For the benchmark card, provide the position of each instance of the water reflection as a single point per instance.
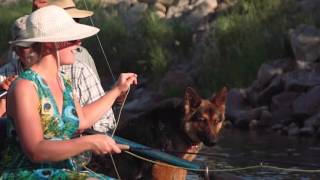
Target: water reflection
(237, 149)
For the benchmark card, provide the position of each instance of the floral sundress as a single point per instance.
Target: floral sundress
(16, 165)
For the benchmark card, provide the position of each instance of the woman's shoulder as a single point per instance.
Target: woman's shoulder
(23, 85)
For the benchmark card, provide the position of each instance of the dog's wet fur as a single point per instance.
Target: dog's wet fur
(173, 125)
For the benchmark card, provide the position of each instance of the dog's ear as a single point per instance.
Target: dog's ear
(191, 100)
(220, 98)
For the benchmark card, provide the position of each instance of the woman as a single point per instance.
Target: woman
(43, 110)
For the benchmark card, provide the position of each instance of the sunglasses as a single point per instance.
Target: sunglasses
(66, 44)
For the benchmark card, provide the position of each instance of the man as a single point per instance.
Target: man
(86, 83)
(16, 65)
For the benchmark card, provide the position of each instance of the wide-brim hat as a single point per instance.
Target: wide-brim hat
(53, 24)
(70, 7)
(18, 30)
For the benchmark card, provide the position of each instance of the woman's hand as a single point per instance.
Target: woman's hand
(103, 144)
(125, 80)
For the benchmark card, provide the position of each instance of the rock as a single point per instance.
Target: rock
(318, 133)
(134, 13)
(307, 104)
(313, 121)
(253, 124)
(301, 80)
(305, 43)
(309, 5)
(201, 10)
(266, 119)
(293, 130)
(307, 131)
(175, 83)
(160, 14)
(243, 118)
(142, 100)
(268, 71)
(268, 81)
(275, 87)
(282, 115)
(160, 7)
(284, 131)
(277, 127)
(284, 99)
(236, 100)
(166, 2)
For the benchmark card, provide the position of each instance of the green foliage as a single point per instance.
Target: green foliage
(244, 37)
(9, 13)
(147, 47)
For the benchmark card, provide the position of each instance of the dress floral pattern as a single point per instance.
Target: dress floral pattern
(14, 163)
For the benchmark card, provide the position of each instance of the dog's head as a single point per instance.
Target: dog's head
(204, 118)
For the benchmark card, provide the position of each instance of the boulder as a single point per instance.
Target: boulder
(305, 43)
(275, 87)
(175, 82)
(236, 101)
(284, 99)
(200, 10)
(308, 103)
(244, 117)
(301, 80)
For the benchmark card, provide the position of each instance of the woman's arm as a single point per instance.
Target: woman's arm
(92, 112)
(24, 110)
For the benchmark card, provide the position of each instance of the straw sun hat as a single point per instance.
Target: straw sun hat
(70, 7)
(53, 24)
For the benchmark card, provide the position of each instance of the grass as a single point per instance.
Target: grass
(9, 14)
(249, 34)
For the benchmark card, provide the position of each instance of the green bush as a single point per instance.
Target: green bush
(250, 33)
(9, 13)
(147, 47)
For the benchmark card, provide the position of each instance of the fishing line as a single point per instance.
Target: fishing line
(224, 156)
(100, 45)
(259, 166)
(120, 111)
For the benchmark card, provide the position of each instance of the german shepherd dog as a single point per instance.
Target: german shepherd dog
(173, 125)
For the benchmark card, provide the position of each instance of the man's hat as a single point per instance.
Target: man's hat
(70, 7)
(18, 30)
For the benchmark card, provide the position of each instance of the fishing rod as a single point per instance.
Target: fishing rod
(3, 93)
(163, 157)
(154, 154)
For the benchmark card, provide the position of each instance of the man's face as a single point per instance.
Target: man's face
(24, 55)
(36, 4)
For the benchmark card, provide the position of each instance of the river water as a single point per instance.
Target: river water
(237, 149)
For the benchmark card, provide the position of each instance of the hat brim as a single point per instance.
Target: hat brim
(77, 13)
(23, 44)
(74, 32)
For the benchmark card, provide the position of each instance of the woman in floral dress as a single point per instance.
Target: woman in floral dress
(44, 116)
